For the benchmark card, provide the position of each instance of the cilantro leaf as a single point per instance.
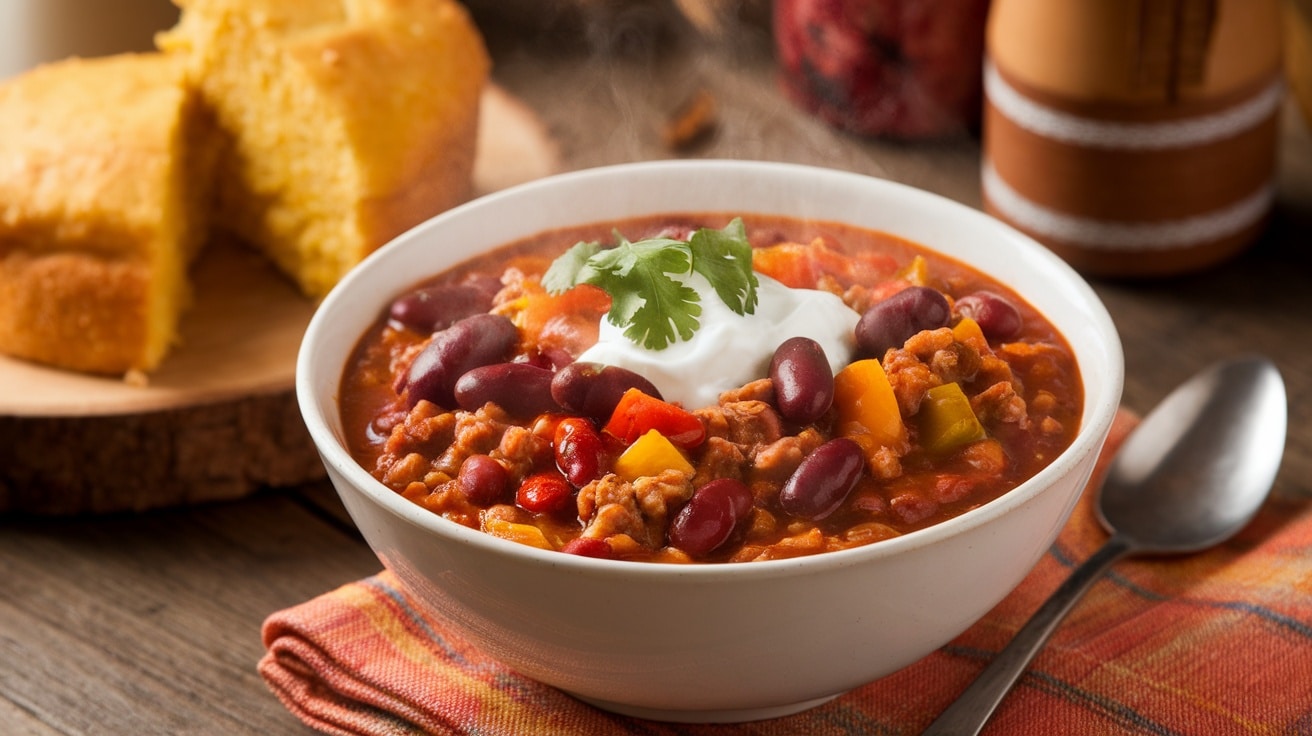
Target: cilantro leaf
(651, 306)
(656, 256)
(649, 299)
(668, 308)
(571, 268)
(724, 257)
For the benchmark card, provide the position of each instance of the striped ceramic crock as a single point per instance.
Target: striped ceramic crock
(1133, 137)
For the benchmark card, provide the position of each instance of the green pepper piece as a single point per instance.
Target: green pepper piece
(946, 420)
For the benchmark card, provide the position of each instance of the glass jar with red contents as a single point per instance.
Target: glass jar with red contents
(898, 69)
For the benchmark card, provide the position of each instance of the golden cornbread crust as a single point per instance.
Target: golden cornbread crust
(347, 123)
(99, 210)
(93, 313)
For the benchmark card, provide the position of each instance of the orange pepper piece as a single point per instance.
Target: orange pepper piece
(867, 409)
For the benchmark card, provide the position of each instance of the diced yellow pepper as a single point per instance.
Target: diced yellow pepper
(916, 272)
(946, 420)
(867, 409)
(968, 330)
(650, 454)
(522, 533)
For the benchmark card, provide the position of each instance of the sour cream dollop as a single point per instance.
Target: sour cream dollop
(730, 349)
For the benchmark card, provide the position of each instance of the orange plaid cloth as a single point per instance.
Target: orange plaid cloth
(1215, 643)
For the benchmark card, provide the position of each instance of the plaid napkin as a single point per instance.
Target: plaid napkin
(1214, 643)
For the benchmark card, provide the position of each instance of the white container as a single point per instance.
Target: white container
(35, 32)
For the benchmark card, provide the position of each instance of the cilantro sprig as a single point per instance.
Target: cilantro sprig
(652, 305)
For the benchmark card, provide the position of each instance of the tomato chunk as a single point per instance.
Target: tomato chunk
(637, 414)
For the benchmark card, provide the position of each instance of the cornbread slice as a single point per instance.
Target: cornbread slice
(346, 121)
(104, 171)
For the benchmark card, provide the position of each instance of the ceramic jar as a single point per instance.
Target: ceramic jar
(1133, 137)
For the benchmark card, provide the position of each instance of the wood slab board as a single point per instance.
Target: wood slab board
(218, 419)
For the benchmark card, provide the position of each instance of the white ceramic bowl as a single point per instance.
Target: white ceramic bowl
(713, 642)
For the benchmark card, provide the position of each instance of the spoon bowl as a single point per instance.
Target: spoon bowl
(1199, 466)
(1190, 476)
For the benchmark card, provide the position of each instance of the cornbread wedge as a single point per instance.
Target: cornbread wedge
(346, 122)
(104, 193)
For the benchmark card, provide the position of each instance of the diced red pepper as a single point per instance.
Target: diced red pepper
(637, 413)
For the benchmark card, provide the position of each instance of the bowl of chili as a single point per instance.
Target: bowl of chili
(871, 470)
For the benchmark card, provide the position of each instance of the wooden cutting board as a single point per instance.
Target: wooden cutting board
(218, 419)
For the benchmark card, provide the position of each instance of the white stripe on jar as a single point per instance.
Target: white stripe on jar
(1091, 133)
(1114, 235)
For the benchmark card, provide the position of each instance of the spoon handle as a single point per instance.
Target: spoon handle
(972, 709)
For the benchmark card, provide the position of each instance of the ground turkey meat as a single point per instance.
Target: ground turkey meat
(640, 509)
(935, 357)
(421, 434)
(762, 389)
(746, 424)
(427, 430)
(773, 463)
(719, 458)
(520, 451)
(929, 358)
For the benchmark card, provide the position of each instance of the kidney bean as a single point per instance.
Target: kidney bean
(739, 494)
(579, 450)
(482, 480)
(823, 480)
(544, 493)
(593, 389)
(485, 284)
(551, 357)
(438, 307)
(589, 547)
(710, 516)
(997, 317)
(803, 381)
(475, 341)
(521, 389)
(889, 323)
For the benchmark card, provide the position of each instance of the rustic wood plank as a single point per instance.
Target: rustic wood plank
(18, 722)
(150, 624)
(101, 464)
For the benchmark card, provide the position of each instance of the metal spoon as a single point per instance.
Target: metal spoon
(1190, 476)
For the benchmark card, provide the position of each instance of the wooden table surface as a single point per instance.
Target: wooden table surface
(150, 623)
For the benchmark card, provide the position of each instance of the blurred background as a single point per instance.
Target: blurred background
(38, 31)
